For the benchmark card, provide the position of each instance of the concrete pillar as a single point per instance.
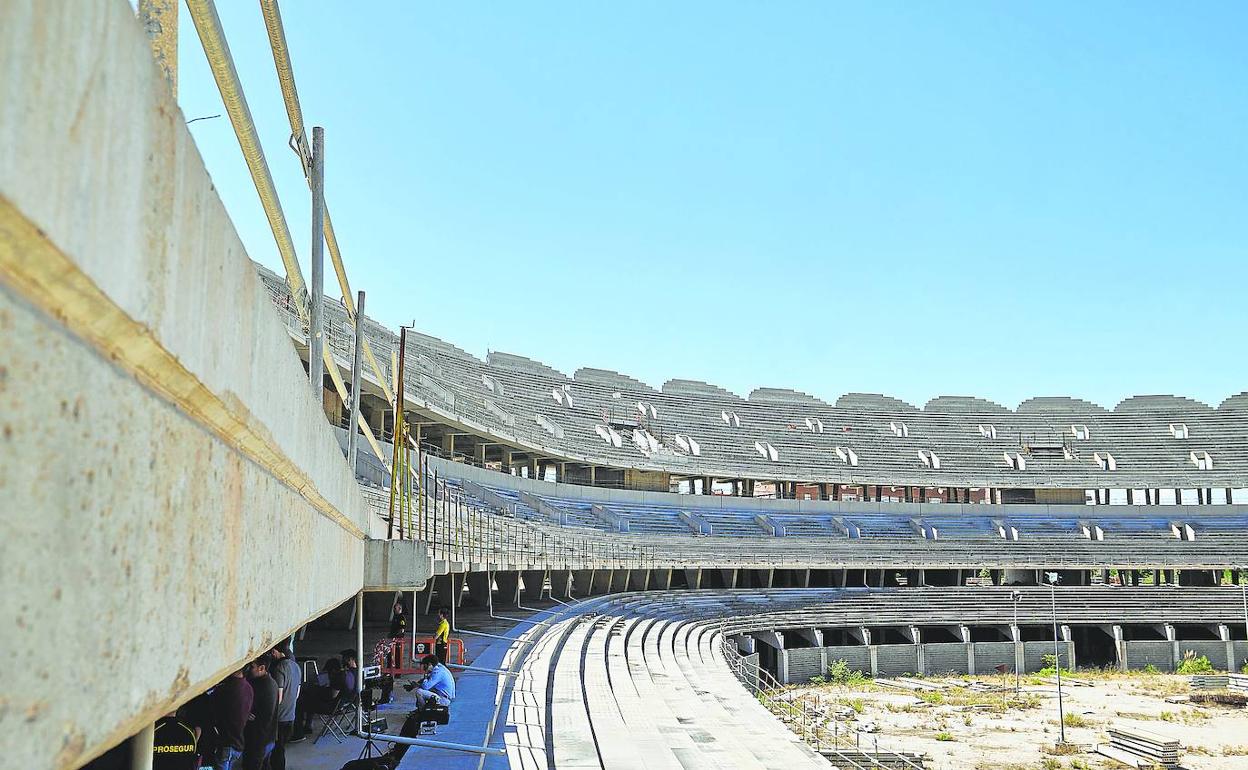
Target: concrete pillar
(583, 582)
(508, 583)
(965, 633)
(812, 635)
(661, 579)
(478, 588)
(561, 583)
(916, 636)
(1173, 637)
(693, 578)
(1120, 648)
(1224, 633)
(1020, 660)
(534, 579)
(730, 577)
(638, 579)
(602, 581)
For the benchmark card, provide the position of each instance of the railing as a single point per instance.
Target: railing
(808, 720)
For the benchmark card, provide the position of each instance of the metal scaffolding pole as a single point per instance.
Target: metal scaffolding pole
(353, 428)
(316, 330)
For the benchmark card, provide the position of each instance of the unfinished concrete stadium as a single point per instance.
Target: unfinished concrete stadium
(664, 554)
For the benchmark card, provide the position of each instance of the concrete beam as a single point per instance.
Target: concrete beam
(135, 327)
(396, 565)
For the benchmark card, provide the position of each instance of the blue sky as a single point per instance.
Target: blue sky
(1002, 200)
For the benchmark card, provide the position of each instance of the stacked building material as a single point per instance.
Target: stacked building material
(1141, 748)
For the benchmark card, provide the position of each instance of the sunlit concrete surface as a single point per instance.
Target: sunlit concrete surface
(173, 498)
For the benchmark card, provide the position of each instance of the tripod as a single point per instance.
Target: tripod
(371, 749)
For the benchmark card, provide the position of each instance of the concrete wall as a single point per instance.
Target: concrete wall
(944, 658)
(1034, 654)
(858, 657)
(174, 500)
(989, 655)
(805, 663)
(897, 659)
(1141, 653)
(1215, 651)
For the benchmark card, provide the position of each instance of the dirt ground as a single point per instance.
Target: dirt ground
(960, 729)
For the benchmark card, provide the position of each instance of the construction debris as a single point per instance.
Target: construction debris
(1140, 748)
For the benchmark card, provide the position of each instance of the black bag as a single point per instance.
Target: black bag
(432, 712)
(372, 763)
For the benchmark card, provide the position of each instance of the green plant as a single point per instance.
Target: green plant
(1050, 667)
(818, 680)
(944, 736)
(1079, 764)
(1049, 763)
(839, 672)
(1151, 669)
(1075, 720)
(1244, 668)
(1194, 664)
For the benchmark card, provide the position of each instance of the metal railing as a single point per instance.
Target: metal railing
(807, 717)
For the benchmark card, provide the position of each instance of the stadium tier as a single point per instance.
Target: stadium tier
(600, 427)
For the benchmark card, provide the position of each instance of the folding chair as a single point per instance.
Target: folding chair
(337, 723)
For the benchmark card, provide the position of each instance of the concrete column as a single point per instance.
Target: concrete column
(1224, 633)
(730, 577)
(812, 635)
(661, 579)
(583, 582)
(638, 579)
(508, 586)
(533, 581)
(1020, 660)
(602, 581)
(965, 633)
(478, 588)
(693, 578)
(1173, 637)
(1120, 648)
(917, 637)
(141, 748)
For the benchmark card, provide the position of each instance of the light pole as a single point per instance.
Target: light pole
(1016, 597)
(1057, 658)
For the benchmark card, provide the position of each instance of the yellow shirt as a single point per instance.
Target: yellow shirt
(443, 633)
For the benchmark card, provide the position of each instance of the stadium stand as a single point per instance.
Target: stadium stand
(688, 429)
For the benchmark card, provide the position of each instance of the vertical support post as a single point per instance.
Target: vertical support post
(316, 332)
(359, 671)
(396, 480)
(141, 748)
(1057, 660)
(160, 22)
(353, 428)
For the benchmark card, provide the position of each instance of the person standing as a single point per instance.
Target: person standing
(285, 672)
(174, 745)
(398, 620)
(231, 705)
(261, 728)
(442, 635)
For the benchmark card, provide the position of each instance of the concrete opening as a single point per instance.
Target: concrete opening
(1094, 646)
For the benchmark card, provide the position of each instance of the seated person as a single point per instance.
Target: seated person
(437, 686)
(319, 698)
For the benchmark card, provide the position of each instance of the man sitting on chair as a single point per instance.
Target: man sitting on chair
(437, 686)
